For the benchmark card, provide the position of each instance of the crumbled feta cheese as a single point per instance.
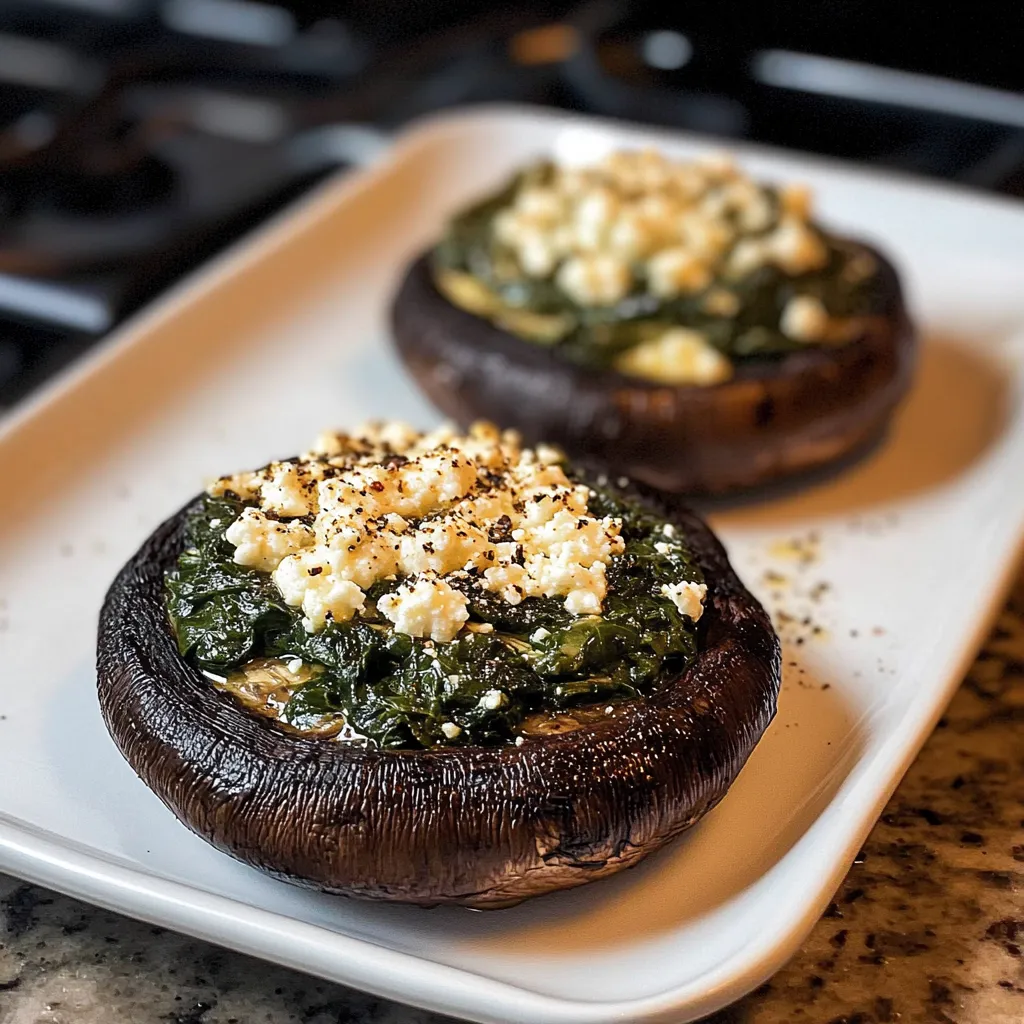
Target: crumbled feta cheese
(595, 213)
(638, 171)
(537, 253)
(804, 318)
(706, 237)
(321, 597)
(662, 548)
(676, 224)
(678, 356)
(293, 665)
(600, 280)
(543, 205)
(242, 485)
(669, 530)
(451, 730)
(721, 302)
(755, 214)
(540, 634)
(520, 741)
(288, 492)
(426, 607)
(676, 271)
(687, 597)
(584, 602)
(261, 543)
(631, 237)
(796, 201)
(547, 453)
(492, 700)
(387, 502)
(747, 255)
(794, 248)
(714, 204)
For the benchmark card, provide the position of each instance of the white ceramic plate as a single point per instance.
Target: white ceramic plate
(286, 334)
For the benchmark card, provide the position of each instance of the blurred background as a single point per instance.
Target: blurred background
(140, 137)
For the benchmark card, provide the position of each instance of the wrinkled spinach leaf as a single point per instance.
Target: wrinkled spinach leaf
(405, 692)
(601, 333)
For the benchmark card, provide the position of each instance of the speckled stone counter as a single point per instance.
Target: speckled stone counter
(927, 927)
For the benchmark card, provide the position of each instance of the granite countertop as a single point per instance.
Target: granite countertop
(927, 927)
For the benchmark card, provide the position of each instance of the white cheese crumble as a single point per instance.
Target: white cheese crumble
(676, 271)
(687, 597)
(322, 596)
(804, 318)
(451, 730)
(441, 512)
(262, 543)
(598, 280)
(492, 700)
(425, 607)
(677, 356)
(638, 220)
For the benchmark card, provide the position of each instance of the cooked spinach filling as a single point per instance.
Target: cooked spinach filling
(473, 268)
(400, 691)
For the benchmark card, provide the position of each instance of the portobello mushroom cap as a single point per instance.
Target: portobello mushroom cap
(778, 416)
(481, 826)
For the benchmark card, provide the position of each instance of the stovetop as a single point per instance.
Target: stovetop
(139, 137)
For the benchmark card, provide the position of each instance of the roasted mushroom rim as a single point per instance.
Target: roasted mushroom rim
(419, 590)
(674, 272)
(483, 826)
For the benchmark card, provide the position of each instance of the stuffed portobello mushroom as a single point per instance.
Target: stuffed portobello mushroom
(435, 668)
(677, 321)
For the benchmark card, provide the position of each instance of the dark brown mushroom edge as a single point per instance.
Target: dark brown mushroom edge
(675, 322)
(367, 793)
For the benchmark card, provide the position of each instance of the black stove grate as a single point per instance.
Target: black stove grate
(138, 137)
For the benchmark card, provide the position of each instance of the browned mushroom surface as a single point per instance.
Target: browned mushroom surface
(776, 417)
(675, 320)
(485, 826)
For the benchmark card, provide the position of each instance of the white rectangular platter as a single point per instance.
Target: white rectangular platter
(886, 575)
